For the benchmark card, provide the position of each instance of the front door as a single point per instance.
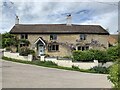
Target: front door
(41, 50)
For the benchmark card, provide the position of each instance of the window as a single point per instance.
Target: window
(82, 37)
(53, 37)
(83, 48)
(24, 36)
(23, 45)
(53, 47)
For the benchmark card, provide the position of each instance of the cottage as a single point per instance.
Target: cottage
(61, 39)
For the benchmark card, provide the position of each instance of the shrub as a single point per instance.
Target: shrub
(83, 56)
(113, 53)
(9, 40)
(99, 69)
(90, 55)
(8, 49)
(25, 51)
(114, 75)
(100, 55)
(75, 68)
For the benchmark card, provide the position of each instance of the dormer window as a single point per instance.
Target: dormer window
(24, 36)
(53, 37)
(82, 37)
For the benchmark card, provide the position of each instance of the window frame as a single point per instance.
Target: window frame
(53, 36)
(24, 36)
(83, 36)
(82, 48)
(53, 47)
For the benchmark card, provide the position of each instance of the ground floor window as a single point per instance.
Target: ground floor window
(83, 48)
(23, 45)
(53, 47)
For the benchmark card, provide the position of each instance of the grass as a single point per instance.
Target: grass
(49, 64)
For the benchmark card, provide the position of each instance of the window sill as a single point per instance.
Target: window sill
(53, 51)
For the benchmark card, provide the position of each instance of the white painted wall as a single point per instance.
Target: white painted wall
(69, 63)
(17, 56)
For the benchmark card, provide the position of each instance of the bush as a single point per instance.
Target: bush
(90, 55)
(75, 68)
(25, 51)
(114, 75)
(113, 53)
(83, 56)
(9, 40)
(8, 49)
(99, 69)
(100, 55)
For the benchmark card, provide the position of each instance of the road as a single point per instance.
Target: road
(16, 75)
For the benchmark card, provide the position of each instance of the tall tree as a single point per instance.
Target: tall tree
(9, 40)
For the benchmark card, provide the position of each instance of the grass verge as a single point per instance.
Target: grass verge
(49, 64)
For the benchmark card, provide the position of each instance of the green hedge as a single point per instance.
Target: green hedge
(110, 54)
(83, 56)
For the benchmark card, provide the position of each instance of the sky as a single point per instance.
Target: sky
(87, 12)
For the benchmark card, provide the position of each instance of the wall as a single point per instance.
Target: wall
(69, 63)
(17, 56)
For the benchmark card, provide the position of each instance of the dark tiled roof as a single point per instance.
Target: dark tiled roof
(57, 28)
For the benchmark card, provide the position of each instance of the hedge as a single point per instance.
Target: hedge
(102, 56)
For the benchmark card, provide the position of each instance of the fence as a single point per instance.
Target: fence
(17, 56)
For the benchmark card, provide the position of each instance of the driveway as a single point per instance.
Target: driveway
(16, 75)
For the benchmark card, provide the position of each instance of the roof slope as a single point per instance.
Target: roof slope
(57, 28)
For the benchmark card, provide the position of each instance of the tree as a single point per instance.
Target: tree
(9, 40)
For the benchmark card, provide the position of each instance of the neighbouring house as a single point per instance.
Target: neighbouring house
(113, 39)
(61, 39)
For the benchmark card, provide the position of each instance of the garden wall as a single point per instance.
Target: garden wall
(17, 56)
(69, 63)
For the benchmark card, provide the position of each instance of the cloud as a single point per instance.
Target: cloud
(37, 12)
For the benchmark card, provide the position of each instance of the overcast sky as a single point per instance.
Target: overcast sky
(87, 12)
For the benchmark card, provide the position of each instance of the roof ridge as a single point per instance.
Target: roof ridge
(54, 24)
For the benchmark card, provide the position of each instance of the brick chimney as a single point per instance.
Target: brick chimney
(69, 20)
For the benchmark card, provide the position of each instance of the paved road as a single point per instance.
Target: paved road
(16, 75)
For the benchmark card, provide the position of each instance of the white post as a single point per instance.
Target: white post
(96, 62)
(30, 57)
(42, 58)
